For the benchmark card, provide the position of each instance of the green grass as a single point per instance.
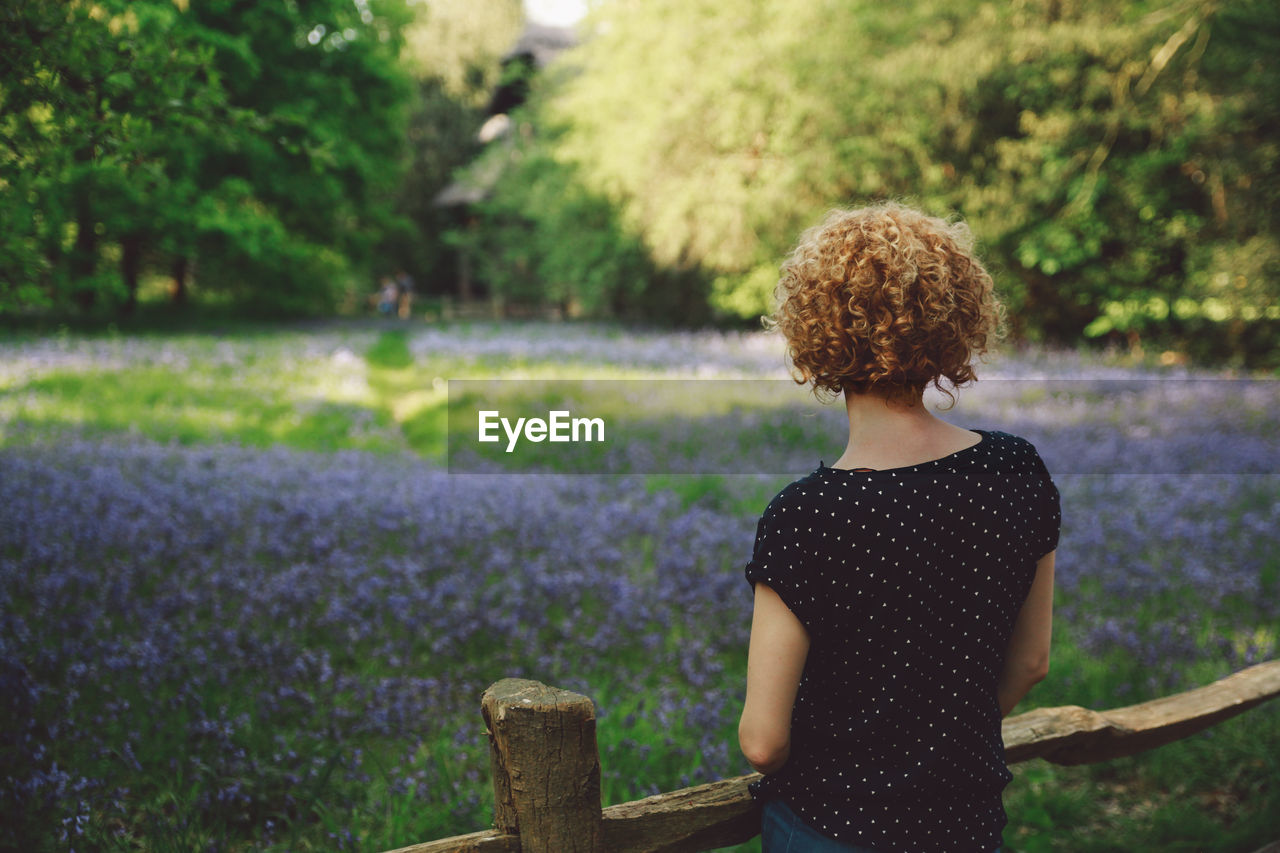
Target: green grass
(194, 408)
(1212, 791)
(242, 390)
(391, 351)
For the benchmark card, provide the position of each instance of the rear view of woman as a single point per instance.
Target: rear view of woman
(903, 595)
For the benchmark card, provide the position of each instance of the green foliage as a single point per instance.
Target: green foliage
(253, 257)
(452, 48)
(441, 138)
(1117, 161)
(320, 154)
(708, 164)
(1114, 165)
(90, 97)
(256, 143)
(543, 236)
(459, 43)
(1103, 152)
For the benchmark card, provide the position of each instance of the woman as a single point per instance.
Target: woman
(903, 596)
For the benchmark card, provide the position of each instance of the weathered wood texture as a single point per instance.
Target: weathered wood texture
(1075, 735)
(546, 767)
(722, 813)
(489, 841)
(700, 818)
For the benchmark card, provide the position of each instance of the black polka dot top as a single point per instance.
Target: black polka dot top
(908, 581)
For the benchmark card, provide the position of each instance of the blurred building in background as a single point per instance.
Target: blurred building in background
(537, 46)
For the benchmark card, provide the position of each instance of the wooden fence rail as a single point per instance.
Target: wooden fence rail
(546, 767)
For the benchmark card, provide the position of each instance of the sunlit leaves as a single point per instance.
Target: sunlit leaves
(1101, 151)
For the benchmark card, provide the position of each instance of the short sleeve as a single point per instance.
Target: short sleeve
(1049, 511)
(778, 559)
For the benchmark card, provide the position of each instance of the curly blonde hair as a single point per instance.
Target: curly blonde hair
(885, 299)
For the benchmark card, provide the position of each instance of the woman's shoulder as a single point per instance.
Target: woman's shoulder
(796, 495)
(1007, 442)
(1019, 455)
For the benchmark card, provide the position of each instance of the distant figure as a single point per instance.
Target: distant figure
(903, 595)
(404, 284)
(388, 295)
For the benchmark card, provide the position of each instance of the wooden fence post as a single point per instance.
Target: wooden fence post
(546, 766)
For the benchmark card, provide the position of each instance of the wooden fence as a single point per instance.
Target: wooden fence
(546, 767)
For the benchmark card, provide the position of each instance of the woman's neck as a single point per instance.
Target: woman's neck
(890, 434)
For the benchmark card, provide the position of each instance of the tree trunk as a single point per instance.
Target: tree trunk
(179, 287)
(130, 266)
(464, 277)
(84, 255)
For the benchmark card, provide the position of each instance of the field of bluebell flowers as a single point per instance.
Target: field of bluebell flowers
(245, 606)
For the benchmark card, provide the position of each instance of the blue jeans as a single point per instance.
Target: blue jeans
(782, 831)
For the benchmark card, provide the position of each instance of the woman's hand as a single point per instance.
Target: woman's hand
(775, 662)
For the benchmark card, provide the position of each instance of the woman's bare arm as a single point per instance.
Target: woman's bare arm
(775, 662)
(1026, 661)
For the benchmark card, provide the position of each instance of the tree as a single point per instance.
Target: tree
(1117, 161)
(453, 49)
(91, 94)
(264, 139)
(299, 196)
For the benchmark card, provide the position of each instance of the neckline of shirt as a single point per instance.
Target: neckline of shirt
(982, 441)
